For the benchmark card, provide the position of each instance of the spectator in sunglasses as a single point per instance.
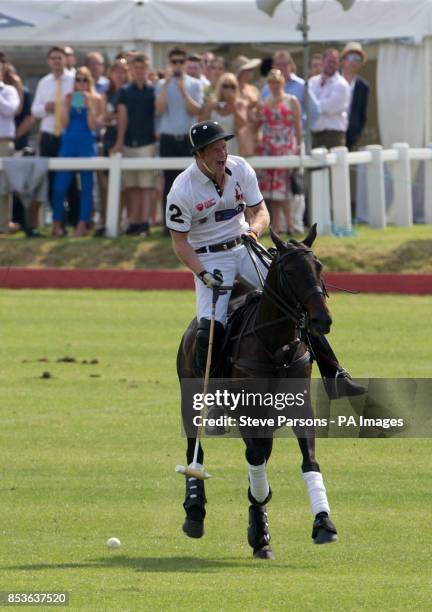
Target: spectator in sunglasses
(82, 115)
(353, 59)
(227, 108)
(179, 98)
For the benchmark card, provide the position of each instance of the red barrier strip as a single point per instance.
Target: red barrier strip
(57, 278)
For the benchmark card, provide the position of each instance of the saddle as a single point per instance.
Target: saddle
(242, 306)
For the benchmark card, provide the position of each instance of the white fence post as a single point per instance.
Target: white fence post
(375, 188)
(320, 194)
(402, 202)
(428, 190)
(114, 195)
(341, 190)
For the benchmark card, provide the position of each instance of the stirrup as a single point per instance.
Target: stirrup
(342, 385)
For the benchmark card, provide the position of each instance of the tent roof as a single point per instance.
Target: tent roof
(220, 21)
(241, 21)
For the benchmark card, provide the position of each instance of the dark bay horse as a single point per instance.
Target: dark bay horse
(273, 332)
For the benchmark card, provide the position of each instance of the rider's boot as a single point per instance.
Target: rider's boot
(202, 342)
(337, 381)
(201, 349)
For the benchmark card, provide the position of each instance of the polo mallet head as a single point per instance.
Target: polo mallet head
(192, 472)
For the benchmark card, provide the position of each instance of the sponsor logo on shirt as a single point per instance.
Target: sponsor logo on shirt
(225, 215)
(207, 204)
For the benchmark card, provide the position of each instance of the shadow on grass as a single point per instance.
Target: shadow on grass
(160, 564)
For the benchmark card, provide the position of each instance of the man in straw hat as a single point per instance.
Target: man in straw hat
(353, 59)
(243, 68)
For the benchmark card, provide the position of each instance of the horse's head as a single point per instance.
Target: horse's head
(299, 283)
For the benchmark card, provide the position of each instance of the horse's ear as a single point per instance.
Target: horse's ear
(309, 240)
(279, 244)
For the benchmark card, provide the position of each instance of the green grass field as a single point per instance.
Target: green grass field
(88, 452)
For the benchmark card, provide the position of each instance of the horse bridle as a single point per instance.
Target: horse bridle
(282, 298)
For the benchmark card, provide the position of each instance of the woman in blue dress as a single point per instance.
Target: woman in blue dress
(82, 115)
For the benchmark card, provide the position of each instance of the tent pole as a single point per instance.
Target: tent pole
(427, 93)
(304, 29)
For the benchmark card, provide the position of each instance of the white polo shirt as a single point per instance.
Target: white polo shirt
(45, 92)
(333, 95)
(195, 205)
(9, 103)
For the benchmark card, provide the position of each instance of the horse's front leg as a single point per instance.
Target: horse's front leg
(258, 451)
(323, 530)
(195, 498)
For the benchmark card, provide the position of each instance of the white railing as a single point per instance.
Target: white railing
(330, 187)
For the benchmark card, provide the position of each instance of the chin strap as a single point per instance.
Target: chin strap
(204, 164)
(206, 167)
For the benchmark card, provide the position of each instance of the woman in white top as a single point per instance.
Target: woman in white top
(227, 108)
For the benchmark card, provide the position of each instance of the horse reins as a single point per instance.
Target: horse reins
(281, 299)
(297, 314)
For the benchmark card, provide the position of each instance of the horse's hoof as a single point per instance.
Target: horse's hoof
(193, 529)
(323, 530)
(325, 537)
(264, 553)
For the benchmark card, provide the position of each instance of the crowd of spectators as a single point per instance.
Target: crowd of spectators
(131, 108)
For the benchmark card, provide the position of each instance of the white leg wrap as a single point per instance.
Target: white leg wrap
(317, 492)
(259, 485)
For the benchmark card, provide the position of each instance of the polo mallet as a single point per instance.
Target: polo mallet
(181, 469)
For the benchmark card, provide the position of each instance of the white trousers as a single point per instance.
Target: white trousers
(234, 263)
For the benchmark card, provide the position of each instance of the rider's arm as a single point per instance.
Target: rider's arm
(185, 252)
(258, 218)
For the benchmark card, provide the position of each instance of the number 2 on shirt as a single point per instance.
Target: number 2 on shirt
(176, 216)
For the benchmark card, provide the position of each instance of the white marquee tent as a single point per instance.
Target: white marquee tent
(403, 29)
(222, 21)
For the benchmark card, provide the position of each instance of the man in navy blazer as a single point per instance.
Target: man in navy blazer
(353, 59)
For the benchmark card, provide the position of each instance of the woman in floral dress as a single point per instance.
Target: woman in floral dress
(279, 119)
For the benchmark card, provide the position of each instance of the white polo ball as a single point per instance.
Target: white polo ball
(113, 543)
